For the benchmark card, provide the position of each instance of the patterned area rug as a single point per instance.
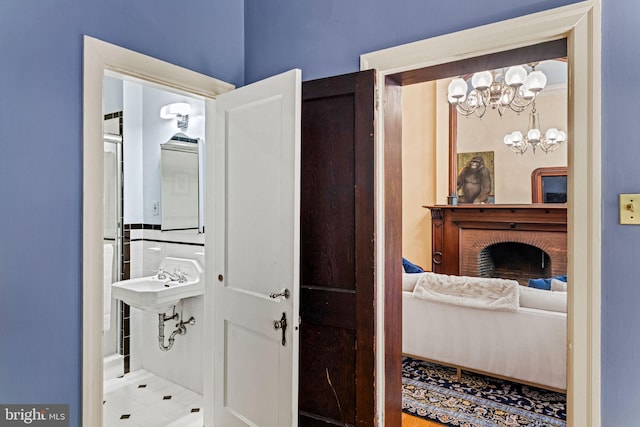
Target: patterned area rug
(432, 392)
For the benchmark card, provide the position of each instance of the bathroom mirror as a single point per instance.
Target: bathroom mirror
(181, 183)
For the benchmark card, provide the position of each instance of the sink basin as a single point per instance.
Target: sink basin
(161, 294)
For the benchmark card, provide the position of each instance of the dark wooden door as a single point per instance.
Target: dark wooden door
(337, 265)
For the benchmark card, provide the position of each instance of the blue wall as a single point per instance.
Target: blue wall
(41, 164)
(620, 243)
(326, 38)
(41, 147)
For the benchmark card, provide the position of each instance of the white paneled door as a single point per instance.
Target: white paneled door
(256, 186)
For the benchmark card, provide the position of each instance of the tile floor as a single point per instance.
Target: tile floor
(142, 399)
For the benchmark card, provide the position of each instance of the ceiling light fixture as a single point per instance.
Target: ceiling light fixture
(514, 89)
(550, 141)
(179, 111)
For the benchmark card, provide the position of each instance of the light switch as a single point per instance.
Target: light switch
(629, 208)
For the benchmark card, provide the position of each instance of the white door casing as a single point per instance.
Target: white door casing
(98, 58)
(256, 233)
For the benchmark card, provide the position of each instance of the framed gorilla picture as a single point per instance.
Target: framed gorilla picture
(475, 178)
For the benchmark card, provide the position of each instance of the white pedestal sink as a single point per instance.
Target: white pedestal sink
(158, 294)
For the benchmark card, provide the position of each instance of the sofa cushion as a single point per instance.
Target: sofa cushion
(558, 285)
(409, 281)
(543, 299)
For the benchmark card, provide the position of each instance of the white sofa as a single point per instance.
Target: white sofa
(527, 345)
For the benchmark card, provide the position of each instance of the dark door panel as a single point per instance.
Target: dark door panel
(337, 255)
(337, 282)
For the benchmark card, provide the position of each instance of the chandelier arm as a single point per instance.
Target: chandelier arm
(484, 98)
(511, 95)
(518, 148)
(517, 108)
(464, 110)
(519, 103)
(548, 145)
(480, 111)
(471, 103)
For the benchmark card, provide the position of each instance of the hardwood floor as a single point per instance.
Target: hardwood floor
(411, 421)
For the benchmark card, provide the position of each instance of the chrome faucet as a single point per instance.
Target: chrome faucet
(178, 275)
(182, 276)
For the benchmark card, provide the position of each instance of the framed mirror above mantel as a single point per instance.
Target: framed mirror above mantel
(485, 136)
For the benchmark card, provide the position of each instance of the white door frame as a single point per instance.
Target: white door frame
(580, 24)
(100, 56)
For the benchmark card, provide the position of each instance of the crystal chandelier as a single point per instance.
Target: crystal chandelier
(550, 141)
(516, 90)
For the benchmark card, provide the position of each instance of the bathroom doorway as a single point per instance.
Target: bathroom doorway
(277, 97)
(145, 155)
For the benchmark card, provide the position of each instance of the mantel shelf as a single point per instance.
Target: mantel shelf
(554, 206)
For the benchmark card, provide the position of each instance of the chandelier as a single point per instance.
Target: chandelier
(514, 89)
(550, 141)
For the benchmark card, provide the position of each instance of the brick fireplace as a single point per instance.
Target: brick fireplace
(509, 241)
(512, 254)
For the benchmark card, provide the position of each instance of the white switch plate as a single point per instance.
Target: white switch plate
(629, 208)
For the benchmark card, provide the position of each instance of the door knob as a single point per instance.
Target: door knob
(281, 324)
(283, 293)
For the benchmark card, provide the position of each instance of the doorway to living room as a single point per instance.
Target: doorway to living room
(579, 25)
(469, 239)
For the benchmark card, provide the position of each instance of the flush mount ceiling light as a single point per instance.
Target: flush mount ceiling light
(550, 141)
(514, 89)
(179, 111)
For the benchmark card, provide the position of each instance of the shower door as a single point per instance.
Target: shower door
(112, 196)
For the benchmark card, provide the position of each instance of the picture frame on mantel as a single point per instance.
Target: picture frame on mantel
(471, 182)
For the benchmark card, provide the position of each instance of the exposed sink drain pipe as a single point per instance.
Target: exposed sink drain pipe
(181, 329)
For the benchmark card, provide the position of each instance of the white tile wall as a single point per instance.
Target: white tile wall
(136, 251)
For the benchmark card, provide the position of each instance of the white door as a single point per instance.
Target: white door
(256, 232)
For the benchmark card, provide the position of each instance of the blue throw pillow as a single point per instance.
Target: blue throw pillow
(545, 283)
(540, 284)
(409, 267)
